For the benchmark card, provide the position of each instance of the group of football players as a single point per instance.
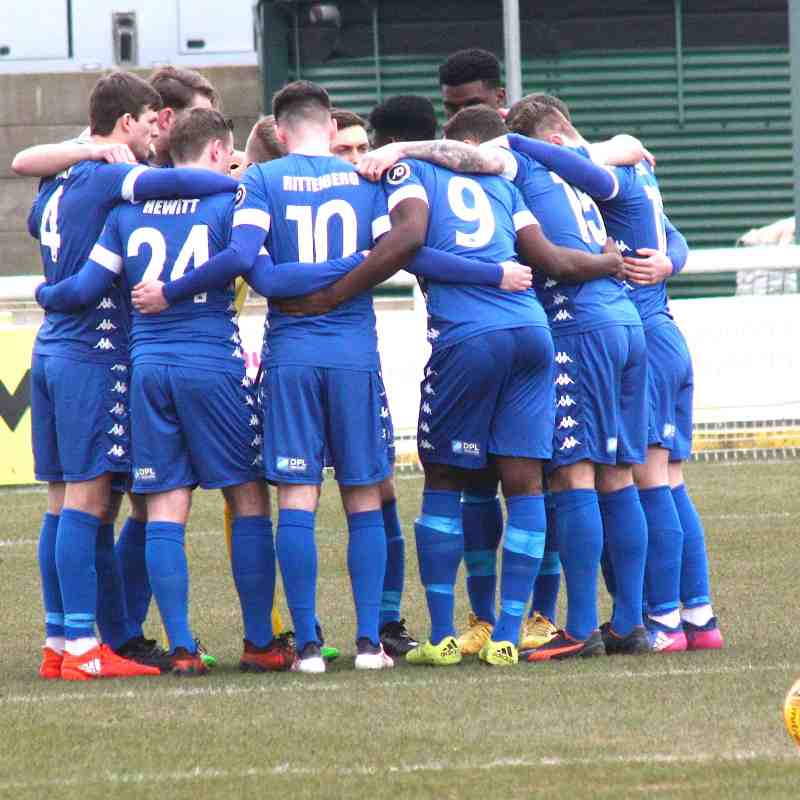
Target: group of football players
(556, 375)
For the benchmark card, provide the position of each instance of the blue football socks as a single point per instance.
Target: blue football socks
(366, 563)
(112, 611)
(393, 580)
(625, 531)
(76, 544)
(296, 548)
(579, 529)
(253, 567)
(662, 576)
(51, 590)
(482, 519)
(523, 548)
(440, 546)
(548, 581)
(130, 550)
(695, 585)
(169, 577)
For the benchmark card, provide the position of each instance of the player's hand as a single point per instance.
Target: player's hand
(373, 164)
(516, 277)
(654, 268)
(617, 269)
(148, 298)
(309, 305)
(112, 153)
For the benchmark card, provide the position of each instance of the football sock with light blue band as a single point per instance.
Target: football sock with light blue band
(548, 581)
(625, 529)
(253, 568)
(440, 546)
(366, 563)
(394, 578)
(662, 576)
(579, 529)
(523, 548)
(76, 544)
(482, 519)
(695, 586)
(112, 610)
(130, 550)
(169, 576)
(51, 590)
(296, 548)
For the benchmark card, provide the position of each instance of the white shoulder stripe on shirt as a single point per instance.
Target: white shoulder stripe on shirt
(105, 258)
(129, 184)
(251, 216)
(524, 218)
(414, 191)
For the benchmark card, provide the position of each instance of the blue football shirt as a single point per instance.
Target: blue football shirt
(476, 216)
(635, 218)
(67, 217)
(313, 208)
(162, 240)
(570, 218)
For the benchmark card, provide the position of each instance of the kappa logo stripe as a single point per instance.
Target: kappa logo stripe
(13, 406)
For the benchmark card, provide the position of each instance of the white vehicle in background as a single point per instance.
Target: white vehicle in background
(74, 35)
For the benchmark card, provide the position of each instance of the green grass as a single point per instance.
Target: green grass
(686, 725)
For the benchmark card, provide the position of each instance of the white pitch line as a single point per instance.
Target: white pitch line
(522, 675)
(199, 773)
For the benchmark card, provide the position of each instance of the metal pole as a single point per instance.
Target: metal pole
(513, 57)
(794, 47)
(679, 59)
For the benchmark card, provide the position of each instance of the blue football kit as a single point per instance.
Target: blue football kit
(487, 387)
(600, 353)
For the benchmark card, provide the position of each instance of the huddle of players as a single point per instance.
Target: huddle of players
(488, 398)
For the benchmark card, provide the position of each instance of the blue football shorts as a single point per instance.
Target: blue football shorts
(491, 394)
(601, 397)
(325, 416)
(79, 418)
(670, 390)
(193, 426)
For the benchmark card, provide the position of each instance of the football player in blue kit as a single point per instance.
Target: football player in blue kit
(677, 568)
(600, 357)
(487, 396)
(80, 419)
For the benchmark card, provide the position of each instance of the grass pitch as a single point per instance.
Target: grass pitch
(694, 724)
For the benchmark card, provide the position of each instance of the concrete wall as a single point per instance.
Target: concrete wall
(36, 109)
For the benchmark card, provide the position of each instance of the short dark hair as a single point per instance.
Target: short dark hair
(178, 87)
(118, 94)
(549, 100)
(466, 66)
(537, 120)
(480, 123)
(301, 100)
(263, 144)
(194, 130)
(404, 118)
(347, 119)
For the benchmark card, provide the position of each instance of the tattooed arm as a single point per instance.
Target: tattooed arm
(454, 155)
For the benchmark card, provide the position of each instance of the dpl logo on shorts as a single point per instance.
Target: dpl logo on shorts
(144, 474)
(287, 464)
(466, 448)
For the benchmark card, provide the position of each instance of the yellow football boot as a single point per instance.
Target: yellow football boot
(536, 631)
(475, 636)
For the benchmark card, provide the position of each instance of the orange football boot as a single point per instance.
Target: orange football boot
(102, 662)
(50, 668)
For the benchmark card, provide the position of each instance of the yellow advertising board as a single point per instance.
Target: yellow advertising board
(16, 455)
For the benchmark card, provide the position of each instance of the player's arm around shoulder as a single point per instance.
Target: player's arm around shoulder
(41, 161)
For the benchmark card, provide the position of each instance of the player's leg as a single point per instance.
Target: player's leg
(360, 452)
(395, 638)
(521, 437)
(482, 517)
(540, 626)
(576, 507)
(130, 550)
(294, 444)
(622, 362)
(699, 621)
(163, 472)
(47, 467)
